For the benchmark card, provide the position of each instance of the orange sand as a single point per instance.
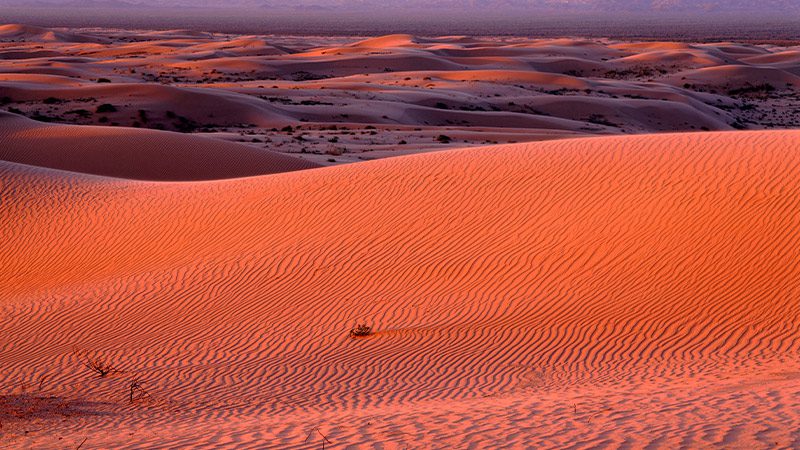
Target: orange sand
(134, 154)
(619, 292)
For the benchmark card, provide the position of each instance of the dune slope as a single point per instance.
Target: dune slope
(133, 153)
(618, 292)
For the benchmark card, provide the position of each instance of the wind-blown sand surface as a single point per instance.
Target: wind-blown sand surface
(618, 292)
(134, 154)
(345, 99)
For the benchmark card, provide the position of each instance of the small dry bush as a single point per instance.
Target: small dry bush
(96, 364)
(362, 330)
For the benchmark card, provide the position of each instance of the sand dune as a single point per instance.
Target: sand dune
(134, 154)
(617, 292)
(19, 32)
(165, 103)
(244, 46)
(389, 41)
(731, 77)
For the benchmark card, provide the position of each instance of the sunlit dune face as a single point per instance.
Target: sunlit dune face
(639, 270)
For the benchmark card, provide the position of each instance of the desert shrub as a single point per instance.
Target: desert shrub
(764, 88)
(51, 101)
(444, 139)
(96, 364)
(307, 76)
(103, 80)
(43, 118)
(185, 125)
(362, 330)
(80, 113)
(334, 151)
(106, 108)
(599, 119)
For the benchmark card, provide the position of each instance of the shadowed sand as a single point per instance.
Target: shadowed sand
(617, 292)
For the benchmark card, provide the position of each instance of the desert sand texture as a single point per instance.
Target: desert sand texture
(617, 292)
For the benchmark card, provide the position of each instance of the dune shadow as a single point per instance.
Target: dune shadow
(29, 407)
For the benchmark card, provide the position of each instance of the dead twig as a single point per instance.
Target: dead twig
(324, 438)
(42, 379)
(137, 391)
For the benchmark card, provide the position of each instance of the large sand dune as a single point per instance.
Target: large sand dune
(134, 154)
(617, 292)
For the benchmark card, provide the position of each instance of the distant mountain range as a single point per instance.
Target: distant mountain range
(616, 6)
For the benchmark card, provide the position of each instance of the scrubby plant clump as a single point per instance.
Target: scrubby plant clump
(362, 330)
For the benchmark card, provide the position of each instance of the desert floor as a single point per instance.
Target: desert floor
(629, 278)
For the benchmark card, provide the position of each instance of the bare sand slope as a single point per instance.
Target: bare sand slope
(618, 292)
(133, 153)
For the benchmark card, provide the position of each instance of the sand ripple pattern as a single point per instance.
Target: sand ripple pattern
(608, 292)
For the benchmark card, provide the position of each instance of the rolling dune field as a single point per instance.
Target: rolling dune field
(333, 100)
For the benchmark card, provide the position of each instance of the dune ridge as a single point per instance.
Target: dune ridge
(614, 291)
(134, 154)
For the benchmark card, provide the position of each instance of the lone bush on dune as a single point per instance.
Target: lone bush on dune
(96, 364)
(362, 330)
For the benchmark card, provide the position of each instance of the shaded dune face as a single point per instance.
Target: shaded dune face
(134, 154)
(503, 283)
